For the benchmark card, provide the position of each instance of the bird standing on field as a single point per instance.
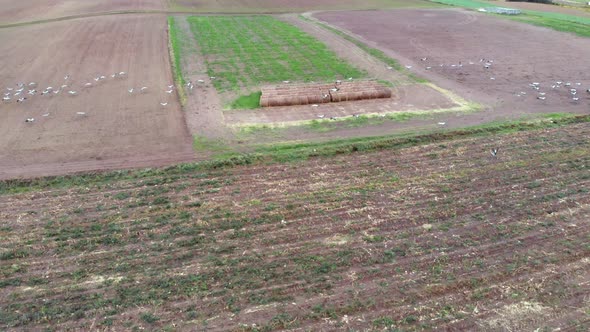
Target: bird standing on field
(494, 152)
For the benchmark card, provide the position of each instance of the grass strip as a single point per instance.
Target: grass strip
(174, 49)
(290, 153)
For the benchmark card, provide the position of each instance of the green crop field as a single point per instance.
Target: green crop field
(243, 53)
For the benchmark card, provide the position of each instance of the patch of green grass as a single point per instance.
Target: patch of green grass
(578, 28)
(247, 51)
(173, 34)
(250, 101)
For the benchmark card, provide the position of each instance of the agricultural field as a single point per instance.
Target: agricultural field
(452, 48)
(93, 122)
(282, 6)
(34, 10)
(245, 52)
(412, 233)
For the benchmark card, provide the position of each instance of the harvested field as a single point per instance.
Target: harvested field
(440, 235)
(281, 6)
(456, 45)
(305, 94)
(32, 10)
(102, 125)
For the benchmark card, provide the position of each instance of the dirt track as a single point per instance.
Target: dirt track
(454, 38)
(133, 129)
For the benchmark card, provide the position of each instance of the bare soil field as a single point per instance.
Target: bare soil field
(451, 48)
(102, 125)
(281, 6)
(32, 10)
(441, 235)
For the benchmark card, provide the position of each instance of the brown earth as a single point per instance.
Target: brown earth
(118, 129)
(453, 39)
(32, 10)
(436, 236)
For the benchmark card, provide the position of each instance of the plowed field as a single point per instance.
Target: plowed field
(441, 235)
(101, 125)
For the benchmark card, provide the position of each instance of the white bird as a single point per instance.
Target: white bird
(542, 93)
(30, 120)
(163, 104)
(286, 82)
(9, 89)
(325, 96)
(7, 94)
(442, 123)
(338, 81)
(321, 116)
(494, 152)
(588, 90)
(44, 92)
(66, 77)
(573, 92)
(122, 73)
(64, 86)
(389, 67)
(408, 67)
(350, 78)
(143, 88)
(314, 105)
(88, 84)
(6, 98)
(558, 82)
(20, 100)
(32, 83)
(575, 98)
(96, 79)
(81, 113)
(568, 84)
(130, 90)
(428, 68)
(492, 78)
(20, 90)
(49, 88)
(535, 84)
(102, 77)
(578, 83)
(200, 81)
(46, 114)
(56, 92)
(170, 86)
(32, 92)
(17, 94)
(72, 92)
(114, 75)
(212, 77)
(169, 91)
(541, 98)
(424, 59)
(334, 89)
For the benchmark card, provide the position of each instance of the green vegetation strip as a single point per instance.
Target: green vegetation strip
(244, 52)
(174, 47)
(290, 153)
(557, 21)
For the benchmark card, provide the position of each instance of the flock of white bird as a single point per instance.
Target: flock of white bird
(21, 92)
(487, 64)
